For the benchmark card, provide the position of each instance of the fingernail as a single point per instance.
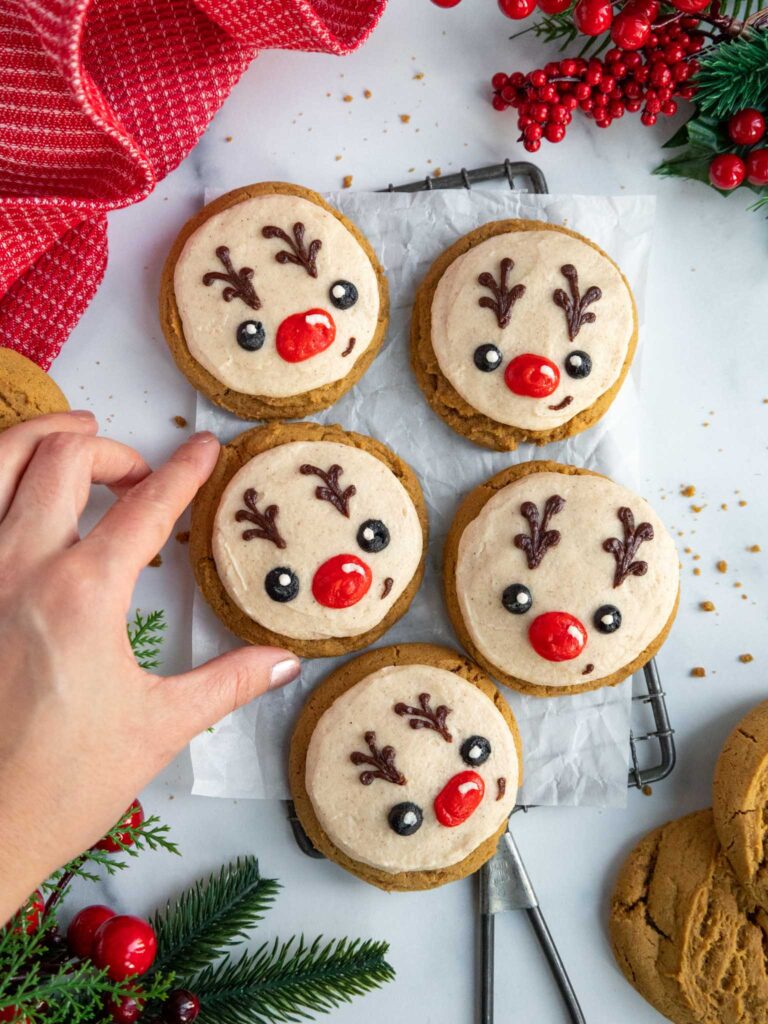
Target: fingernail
(202, 437)
(82, 414)
(284, 672)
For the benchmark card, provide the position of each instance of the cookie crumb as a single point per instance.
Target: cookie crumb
(156, 562)
(754, 548)
(724, 507)
(347, 98)
(722, 566)
(346, 181)
(182, 537)
(738, 585)
(742, 503)
(706, 606)
(337, 157)
(420, 74)
(227, 138)
(405, 118)
(180, 422)
(698, 672)
(437, 173)
(367, 93)
(647, 791)
(697, 508)
(697, 571)
(745, 658)
(688, 491)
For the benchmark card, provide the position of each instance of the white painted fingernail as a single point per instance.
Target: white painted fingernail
(284, 672)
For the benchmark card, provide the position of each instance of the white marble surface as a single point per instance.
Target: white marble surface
(705, 362)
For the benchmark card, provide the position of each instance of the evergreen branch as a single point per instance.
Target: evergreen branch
(145, 635)
(212, 915)
(734, 75)
(290, 981)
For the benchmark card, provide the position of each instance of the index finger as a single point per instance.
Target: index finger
(139, 522)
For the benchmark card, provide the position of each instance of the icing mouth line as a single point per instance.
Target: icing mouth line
(561, 405)
(589, 668)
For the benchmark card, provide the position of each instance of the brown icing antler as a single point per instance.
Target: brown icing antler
(504, 298)
(540, 539)
(575, 306)
(265, 526)
(425, 717)
(332, 491)
(624, 551)
(299, 254)
(238, 281)
(382, 761)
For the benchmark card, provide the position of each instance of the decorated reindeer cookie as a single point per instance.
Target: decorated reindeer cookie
(559, 580)
(405, 766)
(522, 332)
(309, 537)
(272, 302)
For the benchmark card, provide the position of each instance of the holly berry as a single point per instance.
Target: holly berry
(459, 798)
(757, 167)
(133, 817)
(341, 581)
(446, 3)
(747, 127)
(12, 1015)
(181, 1007)
(727, 171)
(593, 17)
(648, 9)
(517, 9)
(690, 6)
(83, 926)
(630, 31)
(304, 335)
(124, 945)
(127, 1009)
(557, 636)
(553, 6)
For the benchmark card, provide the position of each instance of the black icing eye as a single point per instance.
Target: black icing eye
(281, 584)
(517, 599)
(578, 365)
(405, 818)
(476, 750)
(250, 335)
(373, 536)
(342, 294)
(607, 619)
(487, 358)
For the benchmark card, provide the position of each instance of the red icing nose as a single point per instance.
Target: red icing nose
(533, 376)
(459, 799)
(341, 581)
(557, 636)
(304, 335)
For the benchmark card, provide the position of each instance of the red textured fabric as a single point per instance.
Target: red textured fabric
(100, 100)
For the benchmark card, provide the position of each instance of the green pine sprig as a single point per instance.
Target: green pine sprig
(145, 635)
(734, 75)
(290, 981)
(211, 916)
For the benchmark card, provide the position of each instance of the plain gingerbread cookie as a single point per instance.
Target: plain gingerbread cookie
(404, 767)
(26, 391)
(273, 304)
(522, 331)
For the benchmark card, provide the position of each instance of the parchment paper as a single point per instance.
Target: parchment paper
(575, 748)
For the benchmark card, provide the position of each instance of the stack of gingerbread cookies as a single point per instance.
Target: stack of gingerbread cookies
(689, 913)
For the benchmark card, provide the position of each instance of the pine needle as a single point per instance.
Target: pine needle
(211, 916)
(145, 634)
(733, 76)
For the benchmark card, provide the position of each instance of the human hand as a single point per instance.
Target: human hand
(84, 728)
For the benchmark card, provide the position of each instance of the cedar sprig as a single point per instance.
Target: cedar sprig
(290, 981)
(211, 916)
(145, 635)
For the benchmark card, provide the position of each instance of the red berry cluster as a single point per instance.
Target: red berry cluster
(634, 76)
(729, 170)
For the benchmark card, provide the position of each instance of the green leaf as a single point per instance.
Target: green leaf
(290, 981)
(212, 915)
(734, 75)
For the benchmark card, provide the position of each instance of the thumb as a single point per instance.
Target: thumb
(201, 697)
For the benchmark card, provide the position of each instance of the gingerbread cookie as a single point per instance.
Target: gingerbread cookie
(273, 304)
(404, 767)
(26, 391)
(522, 331)
(559, 580)
(740, 801)
(309, 537)
(684, 932)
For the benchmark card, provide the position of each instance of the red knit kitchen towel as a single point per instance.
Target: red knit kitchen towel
(99, 100)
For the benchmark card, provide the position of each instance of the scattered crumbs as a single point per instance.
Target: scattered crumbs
(156, 562)
(705, 423)
(754, 548)
(437, 172)
(183, 536)
(418, 77)
(745, 597)
(346, 181)
(698, 672)
(647, 791)
(742, 503)
(367, 93)
(724, 506)
(697, 508)
(327, 94)
(227, 138)
(405, 118)
(745, 658)
(687, 550)
(180, 422)
(680, 533)
(347, 98)
(722, 566)
(738, 585)
(696, 558)
(337, 157)
(411, 170)
(688, 491)
(697, 571)
(706, 606)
